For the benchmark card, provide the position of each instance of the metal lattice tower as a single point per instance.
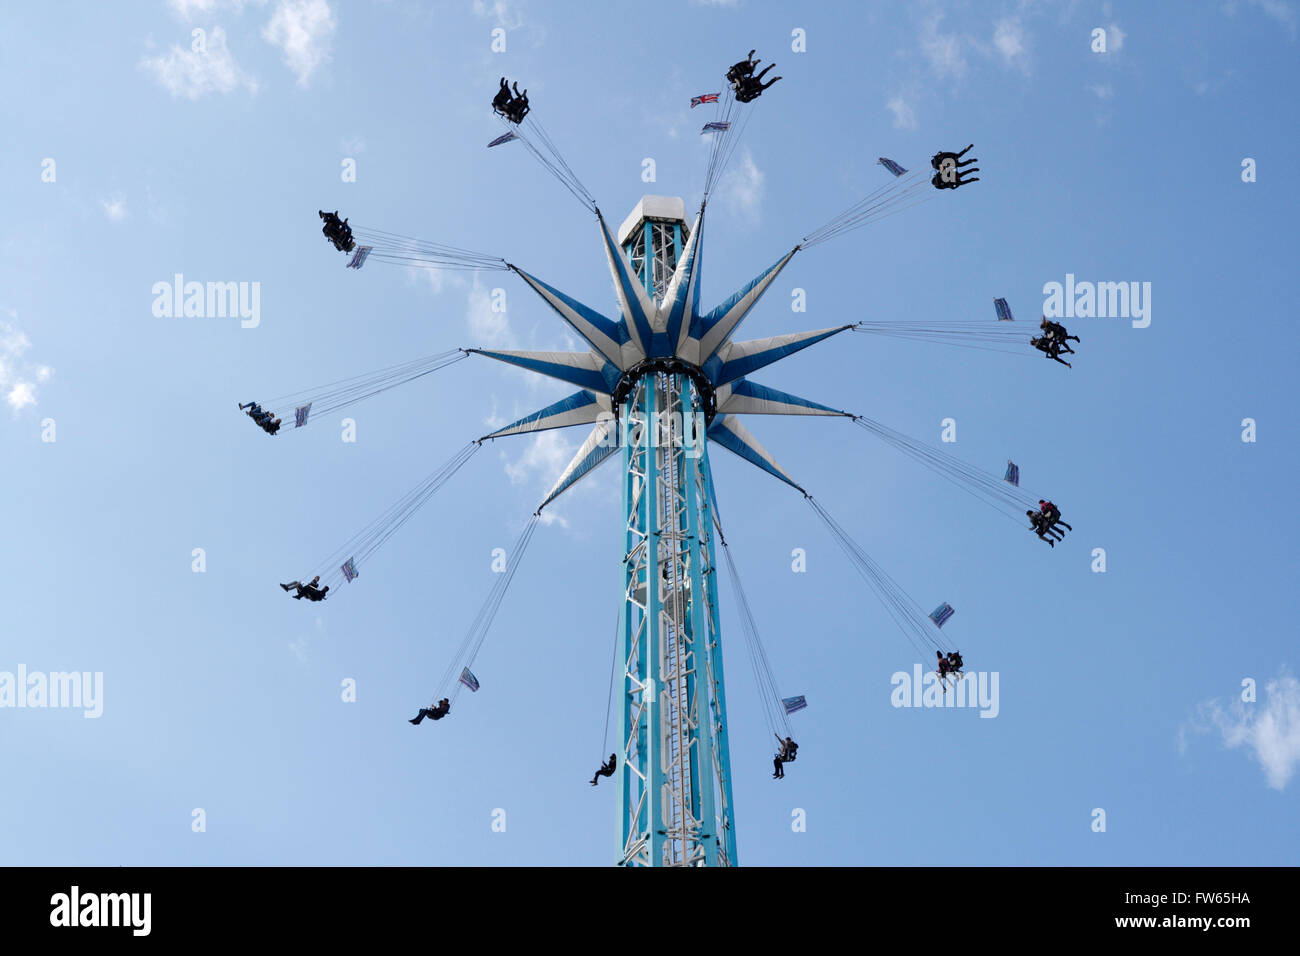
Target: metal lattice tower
(674, 784)
(664, 381)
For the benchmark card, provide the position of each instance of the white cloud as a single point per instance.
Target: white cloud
(192, 73)
(1269, 728)
(302, 29)
(21, 395)
(542, 463)
(504, 12)
(1279, 10)
(1114, 38)
(18, 380)
(114, 207)
(743, 188)
(904, 115)
(354, 146)
(943, 50)
(545, 457)
(1009, 40)
(1103, 91)
(189, 9)
(489, 329)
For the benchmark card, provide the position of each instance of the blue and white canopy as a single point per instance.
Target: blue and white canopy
(678, 329)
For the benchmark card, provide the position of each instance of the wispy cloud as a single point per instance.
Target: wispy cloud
(504, 13)
(742, 188)
(942, 50)
(1010, 42)
(1279, 10)
(194, 73)
(904, 114)
(114, 207)
(1103, 91)
(1269, 729)
(488, 328)
(303, 30)
(541, 464)
(18, 378)
(1114, 38)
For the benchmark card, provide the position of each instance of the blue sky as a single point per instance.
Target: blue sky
(1118, 690)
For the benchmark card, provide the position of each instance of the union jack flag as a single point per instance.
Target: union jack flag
(706, 98)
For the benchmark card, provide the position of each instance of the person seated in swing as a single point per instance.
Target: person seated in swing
(944, 158)
(436, 712)
(332, 225)
(955, 662)
(1038, 524)
(310, 590)
(606, 769)
(789, 750)
(950, 177)
(501, 101)
(943, 664)
(1049, 348)
(518, 107)
(252, 410)
(337, 231)
(1053, 514)
(1057, 334)
(271, 426)
(739, 71)
(752, 87)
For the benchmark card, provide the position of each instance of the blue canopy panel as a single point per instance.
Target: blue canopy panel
(603, 334)
(749, 398)
(728, 432)
(712, 330)
(583, 369)
(635, 305)
(682, 300)
(738, 359)
(600, 445)
(580, 408)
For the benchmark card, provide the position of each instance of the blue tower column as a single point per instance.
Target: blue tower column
(674, 790)
(674, 785)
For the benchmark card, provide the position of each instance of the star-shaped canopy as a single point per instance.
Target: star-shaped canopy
(673, 329)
